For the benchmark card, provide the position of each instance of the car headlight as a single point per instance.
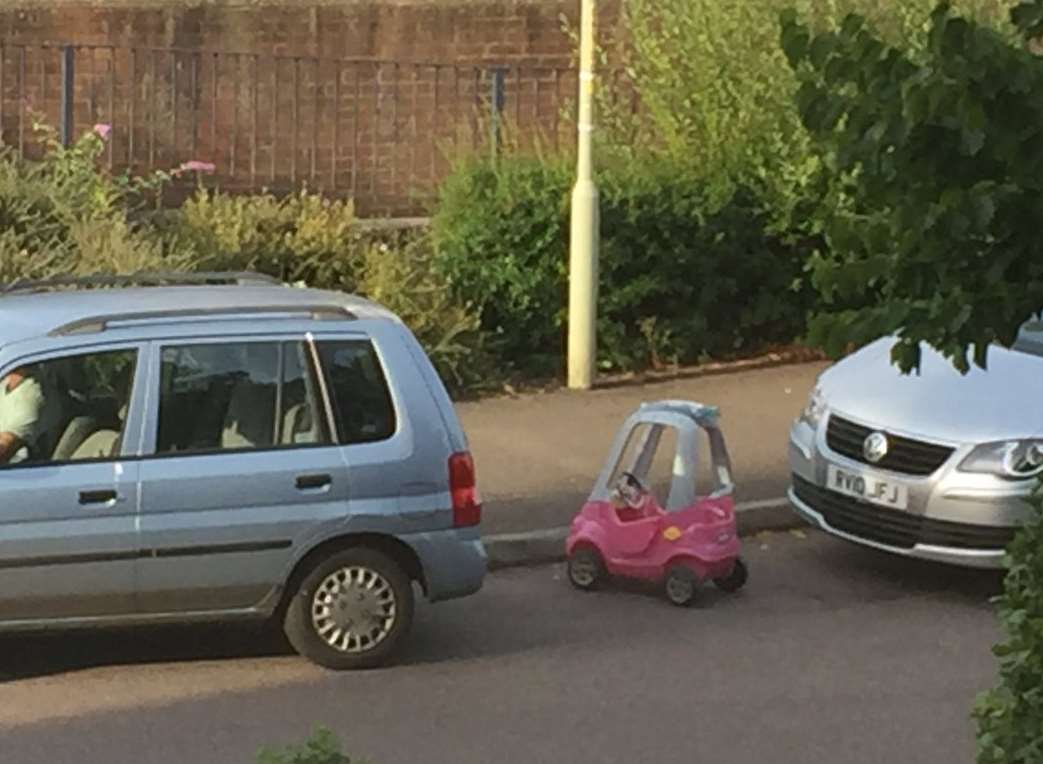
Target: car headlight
(1016, 459)
(815, 408)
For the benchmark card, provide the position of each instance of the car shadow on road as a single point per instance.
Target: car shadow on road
(831, 570)
(443, 633)
(28, 656)
(901, 576)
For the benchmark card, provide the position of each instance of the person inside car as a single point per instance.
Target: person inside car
(25, 419)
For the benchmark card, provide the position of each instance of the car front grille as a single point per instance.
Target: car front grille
(886, 526)
(895, 528)
(905, 455)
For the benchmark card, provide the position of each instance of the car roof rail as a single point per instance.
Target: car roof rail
(101, 323)
(143, 278)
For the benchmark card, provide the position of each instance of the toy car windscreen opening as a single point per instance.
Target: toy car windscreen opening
(648, 457)
(665, 462)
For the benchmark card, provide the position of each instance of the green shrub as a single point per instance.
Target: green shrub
(63, 215)
(689, 268)
(302, 237)
(401, 276)
(311, 239)
(499, 232)
(1010, 717)
(321, 748)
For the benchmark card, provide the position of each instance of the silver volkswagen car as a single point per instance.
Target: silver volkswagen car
(227, 449)
(934, 465)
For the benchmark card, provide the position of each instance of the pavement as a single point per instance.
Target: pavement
(537, 455)
(831, 653)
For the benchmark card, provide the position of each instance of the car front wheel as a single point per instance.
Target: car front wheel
(351, 611)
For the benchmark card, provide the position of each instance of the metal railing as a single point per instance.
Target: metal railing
(382, 132)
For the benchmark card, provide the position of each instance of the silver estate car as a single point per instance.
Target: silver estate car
(228, 448)
(935, 465)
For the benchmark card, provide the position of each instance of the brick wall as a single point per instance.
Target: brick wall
(371, 100)
(442, 31)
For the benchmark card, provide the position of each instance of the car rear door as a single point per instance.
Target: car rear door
(240, 465)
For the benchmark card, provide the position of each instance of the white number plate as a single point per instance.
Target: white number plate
(868, 487)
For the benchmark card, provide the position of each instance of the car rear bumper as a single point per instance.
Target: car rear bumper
(454, 562)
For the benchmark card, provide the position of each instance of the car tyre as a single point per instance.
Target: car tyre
(681, 585)
(351, 611)
(586, 568)
(734, 580)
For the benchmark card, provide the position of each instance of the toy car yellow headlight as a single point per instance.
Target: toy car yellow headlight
(672, 533)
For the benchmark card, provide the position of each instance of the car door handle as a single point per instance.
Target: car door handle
(98, 497)
(311, 482)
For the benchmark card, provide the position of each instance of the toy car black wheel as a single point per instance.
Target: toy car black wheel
(586, 568)
(681, 585)
(734, 580)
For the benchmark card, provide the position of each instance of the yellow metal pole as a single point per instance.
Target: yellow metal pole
(584, 231)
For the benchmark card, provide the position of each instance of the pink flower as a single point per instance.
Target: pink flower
(103, 131)
(196, 166)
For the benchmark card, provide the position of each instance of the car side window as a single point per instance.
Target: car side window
(238, 396)
(66, 409)
(362, 405)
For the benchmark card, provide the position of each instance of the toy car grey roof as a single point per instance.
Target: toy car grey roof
(702, 414)
(24, 316)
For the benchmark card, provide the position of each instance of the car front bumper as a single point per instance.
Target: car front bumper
(953, 517)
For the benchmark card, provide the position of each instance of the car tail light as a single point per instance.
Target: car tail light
(467, 505)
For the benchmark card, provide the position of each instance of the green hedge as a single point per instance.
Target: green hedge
(499, 235)
(688, 269)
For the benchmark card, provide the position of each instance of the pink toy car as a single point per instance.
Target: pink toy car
(623, 530)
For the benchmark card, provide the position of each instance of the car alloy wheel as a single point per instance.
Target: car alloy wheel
(352, 610)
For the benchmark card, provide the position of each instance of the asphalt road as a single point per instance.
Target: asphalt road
(538, 455)
(832, 654)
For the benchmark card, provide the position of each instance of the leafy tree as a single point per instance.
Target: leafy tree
(938, 163)
(716, 95)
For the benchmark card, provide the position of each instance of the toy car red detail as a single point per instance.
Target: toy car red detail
(624, 531)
